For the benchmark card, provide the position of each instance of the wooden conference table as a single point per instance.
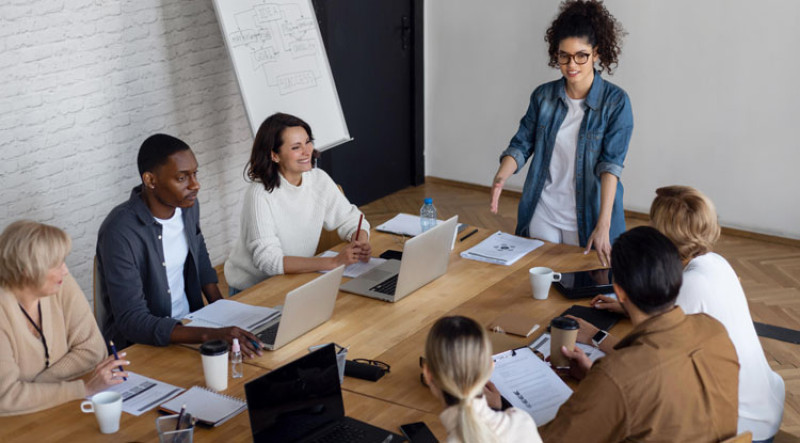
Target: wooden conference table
(393, 333)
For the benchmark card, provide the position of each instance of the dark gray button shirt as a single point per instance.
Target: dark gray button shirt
(135, 302)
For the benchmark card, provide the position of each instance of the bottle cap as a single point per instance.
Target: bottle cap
(236, 347)
(428, 201)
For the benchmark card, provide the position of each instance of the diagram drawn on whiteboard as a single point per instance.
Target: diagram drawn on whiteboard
(281, 45)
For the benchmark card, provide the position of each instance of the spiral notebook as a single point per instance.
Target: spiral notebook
(209, 407)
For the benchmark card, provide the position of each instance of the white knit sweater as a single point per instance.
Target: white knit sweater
(287, 222)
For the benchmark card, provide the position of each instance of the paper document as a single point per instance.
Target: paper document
(542, 344)
(529, 384)
(356, 269)
(501, 249)
(224, 313)
(403, 224)
(141, 394)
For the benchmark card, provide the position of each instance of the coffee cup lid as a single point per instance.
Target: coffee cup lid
(214, 347)
(564, 323)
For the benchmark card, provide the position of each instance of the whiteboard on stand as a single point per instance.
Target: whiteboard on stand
(281, 65)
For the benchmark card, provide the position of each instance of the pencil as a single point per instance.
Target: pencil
(358, 231)
(180, 416)
(116, 357)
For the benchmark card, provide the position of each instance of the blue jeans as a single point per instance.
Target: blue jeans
(233, 291)
(769, 440)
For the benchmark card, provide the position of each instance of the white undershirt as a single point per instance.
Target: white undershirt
(710, 285)
(557, 202)
(176, 248)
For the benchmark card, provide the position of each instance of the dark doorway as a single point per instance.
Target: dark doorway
(375, 52)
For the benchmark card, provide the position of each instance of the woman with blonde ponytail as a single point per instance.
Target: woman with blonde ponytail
(458, 364)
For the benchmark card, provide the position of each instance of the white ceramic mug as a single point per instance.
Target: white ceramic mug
(541, 278)
(215, 364)
(107, 407)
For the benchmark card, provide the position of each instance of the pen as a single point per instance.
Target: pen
(255, 343)
(469, 235)
(180, 416)
(358, 231)
(116, 357)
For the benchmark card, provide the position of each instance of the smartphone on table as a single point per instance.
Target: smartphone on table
(418, 433)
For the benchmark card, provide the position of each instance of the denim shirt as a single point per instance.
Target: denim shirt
(134, 290)
(602, 145)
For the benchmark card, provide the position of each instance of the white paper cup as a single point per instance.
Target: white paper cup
(215, 364)
(107, 407)
(541, 278)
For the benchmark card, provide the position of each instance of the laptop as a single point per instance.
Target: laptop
(425, 258)
(304, 309)
(585, 284)
(302, 401)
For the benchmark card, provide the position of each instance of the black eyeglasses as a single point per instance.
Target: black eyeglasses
(421, 375)
(380, 364)
(580, 58)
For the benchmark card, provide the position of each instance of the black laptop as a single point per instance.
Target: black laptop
(585, 284)
(302, 402)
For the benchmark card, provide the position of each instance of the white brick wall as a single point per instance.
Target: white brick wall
(84, 83)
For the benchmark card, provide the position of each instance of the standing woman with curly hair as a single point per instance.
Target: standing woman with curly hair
(577, 130)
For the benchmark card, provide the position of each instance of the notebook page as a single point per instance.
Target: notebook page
(207, 406)
(529, 384)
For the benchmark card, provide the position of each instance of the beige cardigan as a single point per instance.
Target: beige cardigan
(73, 340)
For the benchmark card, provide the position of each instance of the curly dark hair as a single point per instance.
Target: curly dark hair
(591, 20)
(269, 139)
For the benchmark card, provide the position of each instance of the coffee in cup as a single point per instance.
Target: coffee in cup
(563, 332)
(215, 364)
(107, 407)
(541, 278)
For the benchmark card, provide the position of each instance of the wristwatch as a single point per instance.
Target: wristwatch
(599, 337)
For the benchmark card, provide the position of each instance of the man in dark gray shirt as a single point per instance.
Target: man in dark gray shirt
(152, 258)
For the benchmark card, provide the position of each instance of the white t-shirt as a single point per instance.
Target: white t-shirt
(557, 201)
(176, 248)
(711, 286)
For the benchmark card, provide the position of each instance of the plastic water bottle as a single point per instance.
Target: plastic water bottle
(427, 215)
(236, 360)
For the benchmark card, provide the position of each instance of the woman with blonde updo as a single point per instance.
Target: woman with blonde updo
(458, 364)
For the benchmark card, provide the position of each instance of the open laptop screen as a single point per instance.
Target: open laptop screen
(296, 399)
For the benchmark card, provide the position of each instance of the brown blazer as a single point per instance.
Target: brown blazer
(675, 377)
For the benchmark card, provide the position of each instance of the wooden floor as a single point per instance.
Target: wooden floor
(770, 271)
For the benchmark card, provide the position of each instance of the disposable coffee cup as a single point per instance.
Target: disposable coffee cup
(215, 364)
(107, 407)
(541, 278)
(563, 332)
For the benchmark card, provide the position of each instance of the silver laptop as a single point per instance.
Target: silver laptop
(425, 258)
(304, 309)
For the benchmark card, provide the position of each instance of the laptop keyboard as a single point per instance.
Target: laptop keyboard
(387, 286)
(268, 335)
(342, 432)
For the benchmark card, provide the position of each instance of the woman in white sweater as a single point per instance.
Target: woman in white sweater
(285, 208)
(711, 286)
(457, 367)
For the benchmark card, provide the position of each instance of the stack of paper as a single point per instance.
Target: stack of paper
(501, 249)
(403, 224)
(529, 384)
(225, 313)
(141, 394)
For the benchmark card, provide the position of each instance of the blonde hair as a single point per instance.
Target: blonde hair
(687, 217)
(458, 354)
(28, 250)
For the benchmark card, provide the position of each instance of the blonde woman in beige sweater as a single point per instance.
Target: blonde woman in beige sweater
(49, 341)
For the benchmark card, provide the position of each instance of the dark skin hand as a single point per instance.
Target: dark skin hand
(187, 334)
